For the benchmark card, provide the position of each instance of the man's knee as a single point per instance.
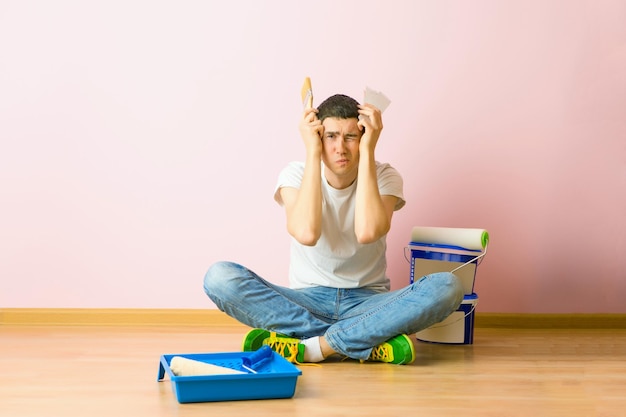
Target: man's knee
(219, 275)
(451, 286)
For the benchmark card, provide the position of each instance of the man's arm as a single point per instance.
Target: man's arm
(303, 206)
(373, 212)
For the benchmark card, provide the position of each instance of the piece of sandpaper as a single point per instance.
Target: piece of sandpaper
(376, 98)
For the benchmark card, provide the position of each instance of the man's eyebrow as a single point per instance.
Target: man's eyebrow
(336, 132)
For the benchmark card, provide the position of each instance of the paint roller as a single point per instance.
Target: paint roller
(468, 239)
(182, 366)
(472, 239)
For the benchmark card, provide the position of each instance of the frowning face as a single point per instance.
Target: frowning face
(340, 150)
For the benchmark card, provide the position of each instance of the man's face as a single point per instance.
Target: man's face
(340, 152)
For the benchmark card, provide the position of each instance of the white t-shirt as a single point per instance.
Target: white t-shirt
(338, 260)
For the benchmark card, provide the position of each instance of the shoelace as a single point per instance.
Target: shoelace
(279, 344)
(383, 353)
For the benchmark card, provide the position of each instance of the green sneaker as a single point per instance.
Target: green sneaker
(398, 350)
(287, 347)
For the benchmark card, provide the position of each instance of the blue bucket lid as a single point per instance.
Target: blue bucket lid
(433, 248)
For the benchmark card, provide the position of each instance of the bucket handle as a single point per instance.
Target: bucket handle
(406, 257)
(474, 259)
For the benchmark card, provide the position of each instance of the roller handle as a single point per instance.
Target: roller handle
(258, 358)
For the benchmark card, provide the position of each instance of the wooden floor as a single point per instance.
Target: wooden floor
(112, 371)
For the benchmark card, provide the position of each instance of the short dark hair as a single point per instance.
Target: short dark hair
(340, 106)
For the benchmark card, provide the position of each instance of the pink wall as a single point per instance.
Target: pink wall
(140, 141)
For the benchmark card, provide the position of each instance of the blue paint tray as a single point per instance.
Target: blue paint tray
(275, 377)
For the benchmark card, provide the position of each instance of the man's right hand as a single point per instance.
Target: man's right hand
(311, 131)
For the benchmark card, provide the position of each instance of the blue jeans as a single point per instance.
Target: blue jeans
(352, 321)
